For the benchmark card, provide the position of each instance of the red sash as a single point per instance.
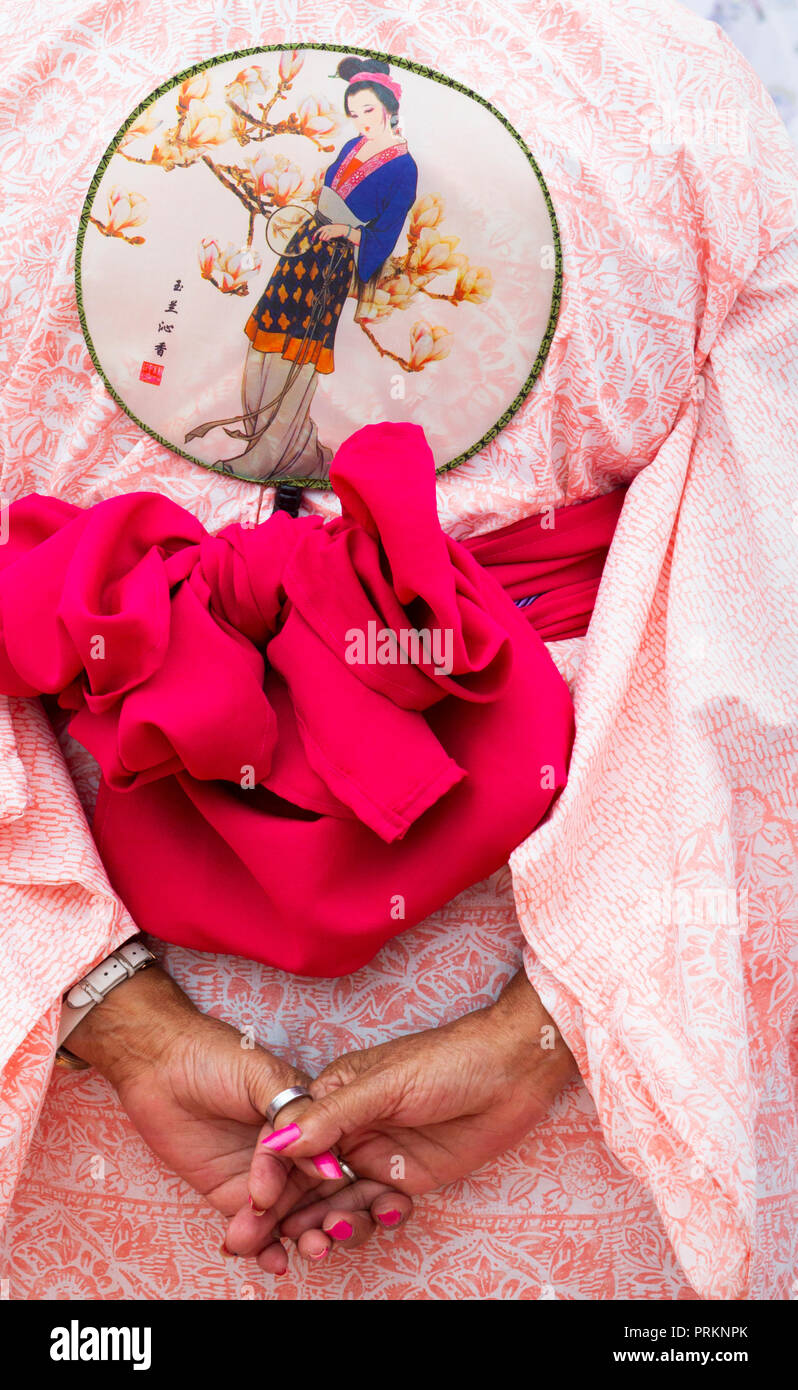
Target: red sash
(282, 778)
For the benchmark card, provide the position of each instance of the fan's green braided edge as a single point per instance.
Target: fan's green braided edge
(422, 70)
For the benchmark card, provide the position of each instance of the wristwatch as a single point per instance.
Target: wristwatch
(120, 965)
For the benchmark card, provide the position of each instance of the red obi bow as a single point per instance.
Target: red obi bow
(311, 734)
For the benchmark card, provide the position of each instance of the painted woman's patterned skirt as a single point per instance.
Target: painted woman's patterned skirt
(298, 312)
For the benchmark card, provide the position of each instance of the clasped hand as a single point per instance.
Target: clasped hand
(409, 1115)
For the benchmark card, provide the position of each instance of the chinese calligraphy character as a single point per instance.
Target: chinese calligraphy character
(160, 348)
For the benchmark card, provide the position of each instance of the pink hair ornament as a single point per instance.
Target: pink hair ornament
(380, 77)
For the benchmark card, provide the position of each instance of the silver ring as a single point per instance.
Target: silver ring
(345, 1169)
(283, 1098)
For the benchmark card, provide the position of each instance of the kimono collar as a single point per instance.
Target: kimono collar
(347, 178)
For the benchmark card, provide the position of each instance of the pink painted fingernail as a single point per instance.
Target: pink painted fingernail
(282, 1138)
(320, 1255)
(340, 1231)
(389, 1218)
(257, 1210)
(328, 1166)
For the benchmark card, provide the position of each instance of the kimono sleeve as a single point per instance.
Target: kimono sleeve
(659, 901)
(379, 237)
(59, 916)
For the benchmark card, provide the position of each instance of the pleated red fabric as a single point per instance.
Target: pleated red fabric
(311, 734)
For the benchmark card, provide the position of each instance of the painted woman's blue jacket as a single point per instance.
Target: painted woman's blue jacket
(382, 199)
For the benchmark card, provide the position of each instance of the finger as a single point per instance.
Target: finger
(274, 1259)
(391, 1209)
(268, 1176)
(274, 1181)
(345, 1229)
(249, 1230)
(324, 1122)
(269, 1160)
(266, 1076)
(358, 1196)
(314, 1246)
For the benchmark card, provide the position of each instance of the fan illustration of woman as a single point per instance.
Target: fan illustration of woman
(341, 247)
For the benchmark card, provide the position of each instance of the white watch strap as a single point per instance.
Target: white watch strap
(93, 988)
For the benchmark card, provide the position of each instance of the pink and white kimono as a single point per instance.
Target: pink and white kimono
(653, 909)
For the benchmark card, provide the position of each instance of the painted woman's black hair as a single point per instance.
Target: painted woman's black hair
(347, 69)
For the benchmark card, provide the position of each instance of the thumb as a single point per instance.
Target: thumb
(339, 1114)
(267, 1074)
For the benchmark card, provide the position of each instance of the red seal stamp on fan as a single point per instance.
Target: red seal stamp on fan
(152, 372)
